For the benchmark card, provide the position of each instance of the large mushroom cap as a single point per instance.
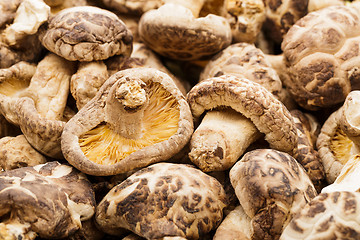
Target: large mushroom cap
(86, 33)
(328, 216)
(321, 51)
(49, 200)
(164, 200)
(271, 187)
(138, 117)
(174, 32)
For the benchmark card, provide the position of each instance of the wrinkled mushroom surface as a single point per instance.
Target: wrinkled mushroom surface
(271, 187)
(138, 117)
(49, 200)
(86, 33)
(164, 200)
(327, 216)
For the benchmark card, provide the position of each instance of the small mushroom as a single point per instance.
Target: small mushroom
(271, 187)
(246, 18)
(328, 216)
(138, 117)
(176, 32)
(48, 200)
(321, 55)
(86, 33)
(59, 5)
(237, 112)
(16, 152)
(164, 201)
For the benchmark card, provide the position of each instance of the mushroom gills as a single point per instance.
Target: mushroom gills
(158, 123)
(341, 146)
(221, 138)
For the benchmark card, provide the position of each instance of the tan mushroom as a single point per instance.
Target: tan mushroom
(271, 187)
(8, 11)
(164, 201)
(138, 117)
(321, 53)
(315, 5)
(246, 18)
(328, 216)
(237, 112)
(174, 30)
(86, 33)
(48, 200)
(133, 7)
(58, 5)
(16, 152)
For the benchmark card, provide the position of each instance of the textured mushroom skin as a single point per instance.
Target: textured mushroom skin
(50, 198)
(321, 52)
(271, 187)
(328, 216)
(268, 114)
(164, 200)
(86, 34)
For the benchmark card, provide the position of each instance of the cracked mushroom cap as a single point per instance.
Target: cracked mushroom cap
(138, 117)
(86, 33)
(49, 200)
(321, 52)
(328, 216)
(174, 32)
(164, 200)
(250, 99)
(271, 187)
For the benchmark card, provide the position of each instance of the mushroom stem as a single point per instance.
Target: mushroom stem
(125, 106)
(220, 139)
(194, 6)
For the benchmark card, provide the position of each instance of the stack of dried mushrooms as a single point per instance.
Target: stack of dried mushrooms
(179, 119)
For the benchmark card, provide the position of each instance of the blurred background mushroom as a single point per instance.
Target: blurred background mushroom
(48, 200)
(163, 201)
(138, 117)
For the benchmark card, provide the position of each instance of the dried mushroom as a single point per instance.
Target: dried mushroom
(16, 152)
(48, 200)
(7, 11)
(315, 5)
(58, 5)
(237, 112)
(86, 33)
(328, 216)
(321, 53)
(38, 105)
(271, 187)
(246, 18)
(138, 117)
(176, 32)
(133, 7)
(164, 201)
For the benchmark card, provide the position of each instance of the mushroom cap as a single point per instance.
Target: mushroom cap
(86, 33)
(53, 198)
(328, 216)
(271, 187)
(350, 118)
(133, 7)
(174, 32)
(250, 99)
(321, 53)
(164, 200)
(167, 114)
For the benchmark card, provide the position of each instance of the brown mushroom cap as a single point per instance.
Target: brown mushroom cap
(164, 200)
(133, 7)
(271, 187)
(250, 99)
(174, 32)
(49, 200)
(86, 33)
(137, 132)
(327, 216)
(321, 53)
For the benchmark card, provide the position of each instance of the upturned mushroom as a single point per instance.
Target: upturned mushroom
(86, 33)
(271, 187)
(16, 152)
(321, 55)
(164, 201)
(237, 112)
(328, 216)
(48, 200)
(174, 30)
(138, 117)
